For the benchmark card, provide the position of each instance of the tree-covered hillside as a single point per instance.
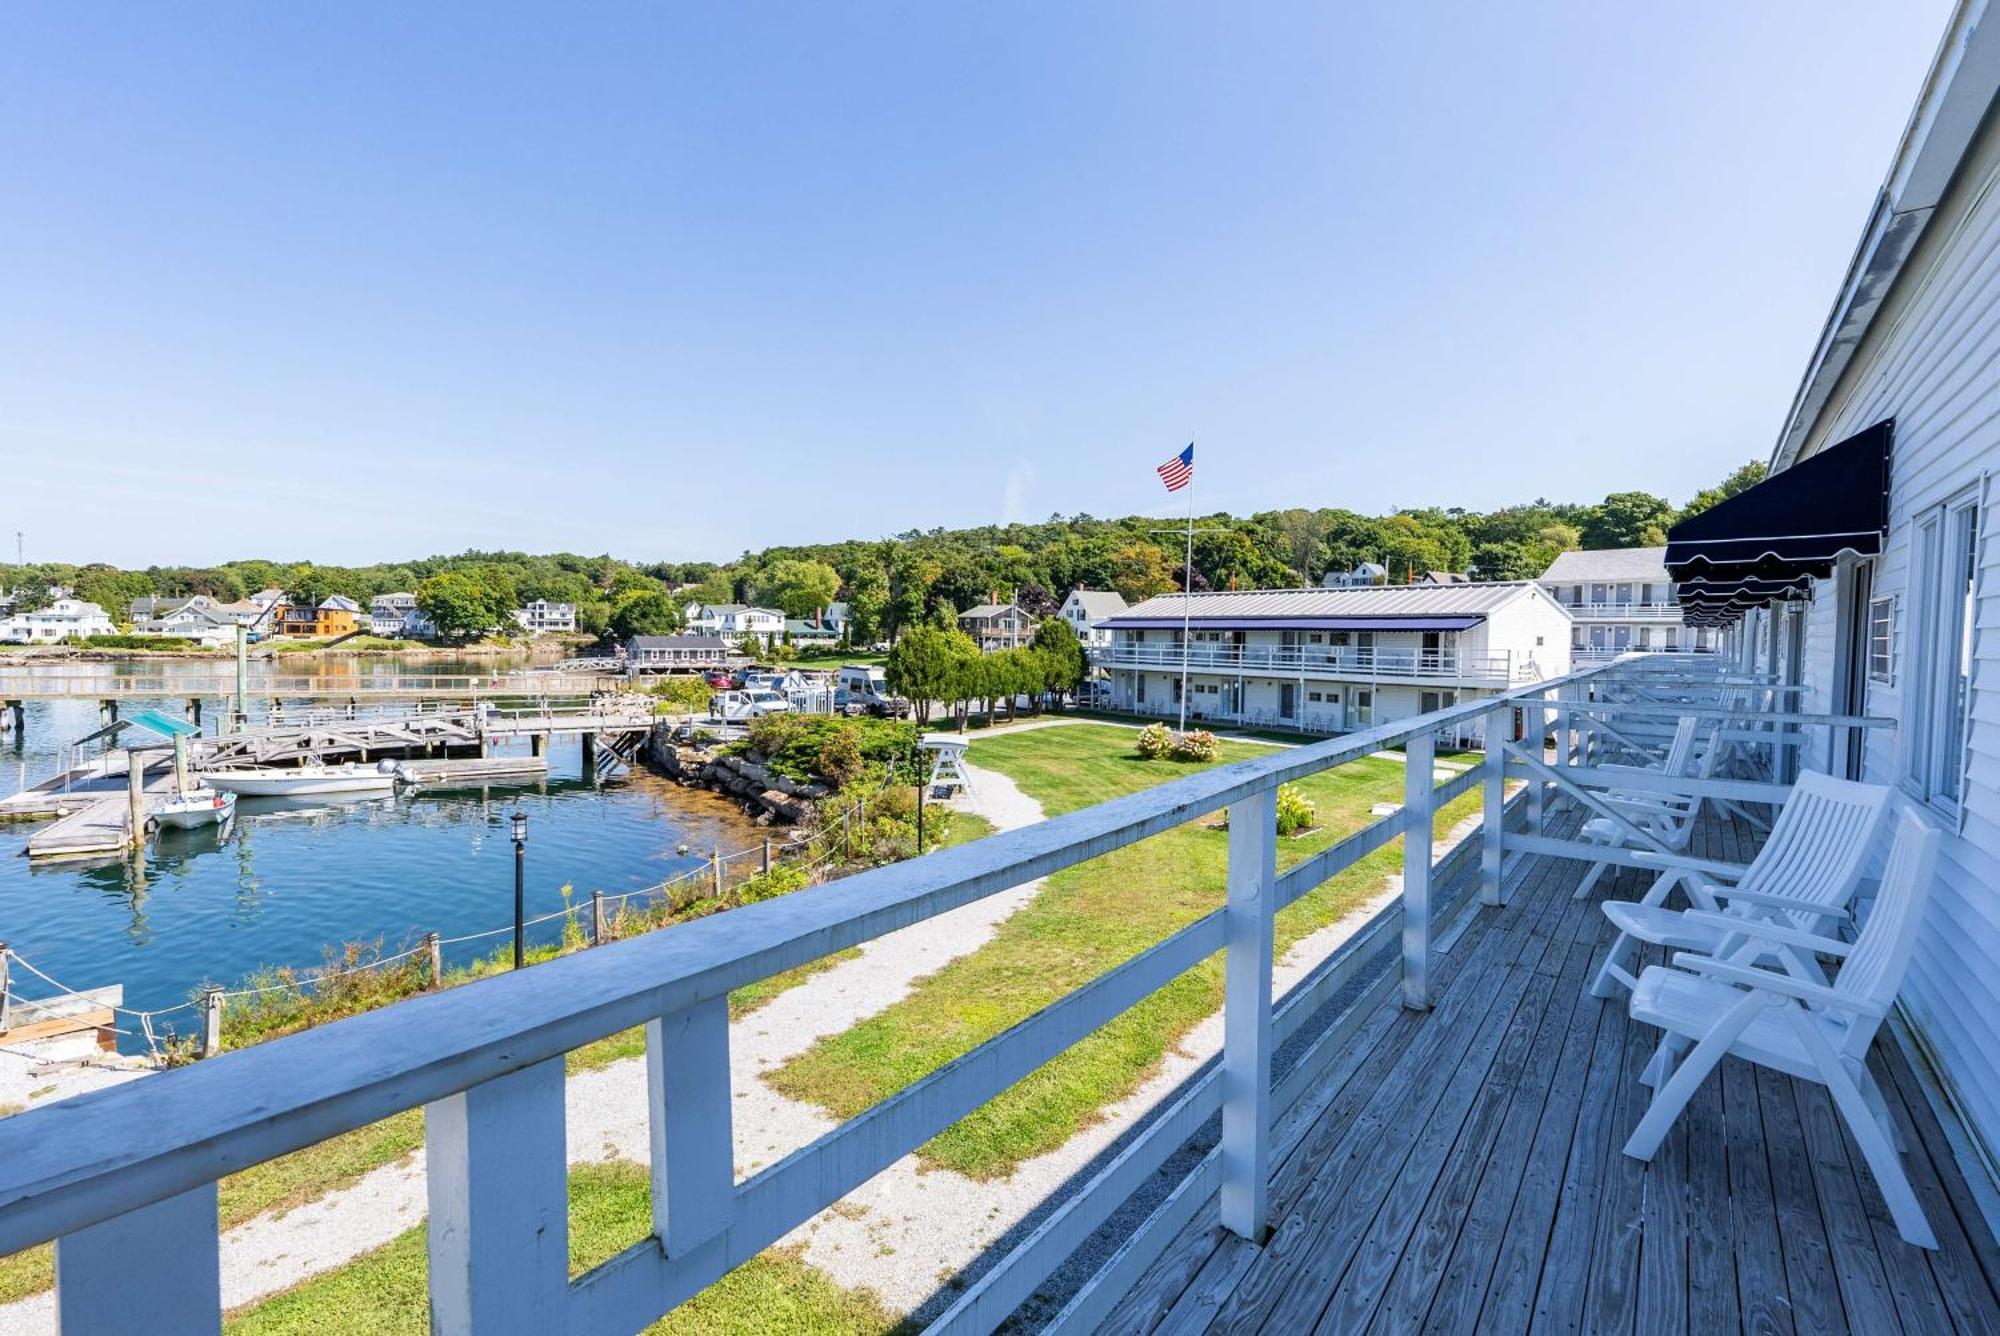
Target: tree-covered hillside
(926, 576)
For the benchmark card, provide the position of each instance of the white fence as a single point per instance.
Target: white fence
(125, 1179)
(1313, 660)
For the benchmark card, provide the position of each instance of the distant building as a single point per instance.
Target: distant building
(395, 616)
(1620, 600)
(545, 618)
(809, 631)
(265, 598)
(61, 619)
(337, 615)
(684, 651)
(1086, 609)
(1332, 660)
(733, 621)
(1445, 578)
(995, 626)
(1367, 573)
(196, 617)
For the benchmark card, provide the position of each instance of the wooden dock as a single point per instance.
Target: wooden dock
(101, 826)
(473, 771)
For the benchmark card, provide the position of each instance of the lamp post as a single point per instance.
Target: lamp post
(520, 878)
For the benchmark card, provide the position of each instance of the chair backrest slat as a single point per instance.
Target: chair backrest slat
(1819, 841)
(1875, 967)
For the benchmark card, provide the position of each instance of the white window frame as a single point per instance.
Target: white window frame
(1884, 630)
(1946, 609)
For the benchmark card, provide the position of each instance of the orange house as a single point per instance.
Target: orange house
(336, 616)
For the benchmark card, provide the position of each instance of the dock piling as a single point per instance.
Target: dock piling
(194, 710)
(538, 744)
(135, 799)
(715, 871)
(211, 1022)
(15, 719)
(767, 853)
(107, 713)
(6, 994)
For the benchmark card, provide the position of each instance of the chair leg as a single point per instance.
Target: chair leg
(1880, 1108)
(1661, 1065)
(1612, 973)
(1672, 1096)
(1589, 882)
(1883, 1162)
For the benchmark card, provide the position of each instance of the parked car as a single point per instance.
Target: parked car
(740, 707)
(718, 679)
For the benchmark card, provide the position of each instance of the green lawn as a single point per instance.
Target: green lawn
(1089, 919)
(382, 1293)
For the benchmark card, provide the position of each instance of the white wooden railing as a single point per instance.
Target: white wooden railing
(124, 1179)
(1315, 660)
(83, 684)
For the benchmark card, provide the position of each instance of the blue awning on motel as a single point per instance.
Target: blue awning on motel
(1457, 623)
(1771, 542)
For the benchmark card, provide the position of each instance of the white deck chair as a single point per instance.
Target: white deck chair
(1667, 817)
(1806, 872)
(1812, 1031)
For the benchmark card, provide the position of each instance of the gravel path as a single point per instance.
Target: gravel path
(900, 1234)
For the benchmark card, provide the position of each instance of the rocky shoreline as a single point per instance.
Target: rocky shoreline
(766, 795)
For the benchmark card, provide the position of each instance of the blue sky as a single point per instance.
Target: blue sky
(359, 282)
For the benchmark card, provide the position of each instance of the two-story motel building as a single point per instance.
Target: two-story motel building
(1332, 660)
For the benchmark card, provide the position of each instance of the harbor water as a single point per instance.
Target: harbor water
(296, 879)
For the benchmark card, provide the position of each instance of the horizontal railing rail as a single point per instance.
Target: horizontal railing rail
(1496, 665)
(37, 683)
(124, 1179)
(1626, 610)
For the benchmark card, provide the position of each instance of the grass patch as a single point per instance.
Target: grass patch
(382, 1293)
(1088, 920)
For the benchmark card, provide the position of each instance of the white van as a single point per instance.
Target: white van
(864, 689)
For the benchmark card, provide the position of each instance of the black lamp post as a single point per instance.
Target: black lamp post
(520, 878)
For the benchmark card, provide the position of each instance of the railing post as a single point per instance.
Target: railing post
(1538, 741)
(498, 1176)
(1493, 782)
(5, 994)
(597, 937)
(1419, 794)
(155, 1269)
(434, 952)
(1246, 1014)
(211, 1022)
(687, 1079)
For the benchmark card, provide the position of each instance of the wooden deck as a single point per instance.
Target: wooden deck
(1460, 1170)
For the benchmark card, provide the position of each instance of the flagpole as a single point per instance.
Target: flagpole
(1187, 595)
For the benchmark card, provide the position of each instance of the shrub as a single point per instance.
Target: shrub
(839, 759)
(1295, 811)
(1197, 744)
(793, 744)
(682, 695)
(1155, 741)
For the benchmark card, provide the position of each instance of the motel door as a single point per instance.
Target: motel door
(1288, 700)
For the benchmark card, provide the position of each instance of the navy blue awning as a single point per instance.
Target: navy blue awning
(1771, 542)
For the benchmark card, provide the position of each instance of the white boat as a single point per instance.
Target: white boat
(306, 781)
(196, 807)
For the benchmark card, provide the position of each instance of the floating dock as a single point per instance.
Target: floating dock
(472, 771)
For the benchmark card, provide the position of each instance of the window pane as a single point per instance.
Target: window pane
(1955, 623)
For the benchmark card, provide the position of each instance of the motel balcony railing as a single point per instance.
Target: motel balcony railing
(124, 1180)
(1356, 662)
(1615, 611)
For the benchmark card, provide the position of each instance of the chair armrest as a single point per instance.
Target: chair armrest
(1770, 981)
(1687, 863)
(1768, 931)
(1769, 901)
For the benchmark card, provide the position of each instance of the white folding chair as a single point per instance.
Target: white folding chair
(1667, 818)
(1806, 872)
(1816, 1032)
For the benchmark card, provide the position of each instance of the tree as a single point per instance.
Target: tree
(1629, 519)
(1740, 480)
(1303, 533)
(925, 666)
(306, 586)
(112, 589)
(867, 598)
(455, 604)
(1062, 662)
(645, 612)
(801, 588)
(1139, 571)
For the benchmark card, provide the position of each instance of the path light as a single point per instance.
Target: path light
(520, 876)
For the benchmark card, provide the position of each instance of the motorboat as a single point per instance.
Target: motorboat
(305, 781)
(200, 806)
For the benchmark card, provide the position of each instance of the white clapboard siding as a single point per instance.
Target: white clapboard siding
(1932, 362)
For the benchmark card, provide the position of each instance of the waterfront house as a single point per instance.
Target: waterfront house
(541, 617)
(396, 616)
(1331, 660)
(337, 615)
(61, 619)
(733, 621)
(1363, 575)
(809, 631)
(197, 617)
(1621, 599)
(685, 653)
(1086, 611)
(1445, 578)
(996, 626)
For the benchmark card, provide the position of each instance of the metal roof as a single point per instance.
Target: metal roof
(1257, 605)
(1609, 563)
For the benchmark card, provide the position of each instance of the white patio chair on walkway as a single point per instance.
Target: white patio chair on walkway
(1816, 1032)
(1804, 875)
(1666, 817)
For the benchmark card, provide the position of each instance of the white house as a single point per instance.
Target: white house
(1086, 610)
(395, 616)
(197, 617)
(1621, 600)
(542, 617)
(733, 621)
(1858, 568)
(1367, 573)
(61, 619)
(680, 651)
(1332, 660)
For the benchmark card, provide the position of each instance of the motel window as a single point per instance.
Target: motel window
(1882, 640)
(1945, 578)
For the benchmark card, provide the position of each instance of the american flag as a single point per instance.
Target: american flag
(1178, 472)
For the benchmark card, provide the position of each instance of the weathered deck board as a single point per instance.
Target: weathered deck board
(1464, 1171)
